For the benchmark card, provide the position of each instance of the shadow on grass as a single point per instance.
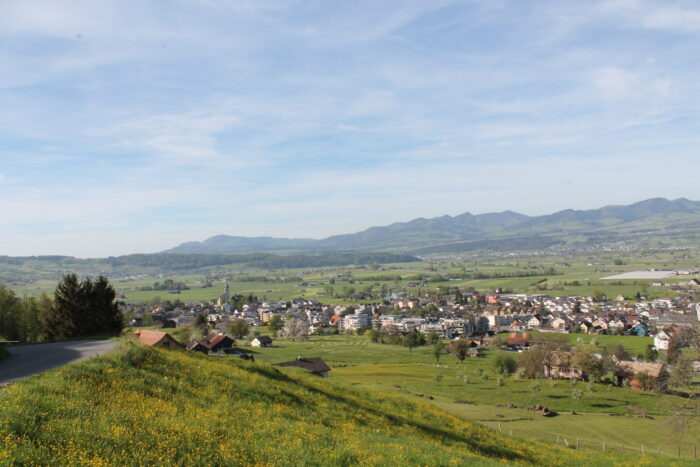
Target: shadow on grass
(474, 442)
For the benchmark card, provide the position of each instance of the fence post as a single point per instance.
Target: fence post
(557, 439)
(499, 426)
(577, 440)
(642, 449)
(567, 443)
(603, 446)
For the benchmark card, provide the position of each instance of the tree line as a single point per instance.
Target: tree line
(259, 260)
(79, 308)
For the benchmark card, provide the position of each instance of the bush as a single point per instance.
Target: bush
(645, 381)
(504, 364)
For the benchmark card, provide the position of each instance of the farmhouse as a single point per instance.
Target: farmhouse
(518, 340)
(662, 338)
(217, 343)
(262, 341)
(656, 374)
(314, 365)
(559, 366)
(157, 338)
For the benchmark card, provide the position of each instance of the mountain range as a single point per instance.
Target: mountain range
(653, 221)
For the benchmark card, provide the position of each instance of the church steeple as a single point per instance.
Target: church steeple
(224, 297)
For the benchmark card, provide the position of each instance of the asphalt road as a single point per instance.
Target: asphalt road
(27, 360)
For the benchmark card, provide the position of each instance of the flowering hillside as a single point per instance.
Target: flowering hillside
(149, 406)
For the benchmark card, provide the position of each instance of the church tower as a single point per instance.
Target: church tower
(224, 297)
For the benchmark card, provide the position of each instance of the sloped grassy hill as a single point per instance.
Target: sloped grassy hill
(147, 406)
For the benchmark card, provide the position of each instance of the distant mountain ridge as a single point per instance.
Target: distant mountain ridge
(656, 216)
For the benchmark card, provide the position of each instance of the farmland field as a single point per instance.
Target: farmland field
(578, 274)
(358, 362)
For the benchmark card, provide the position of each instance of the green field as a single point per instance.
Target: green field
(145, 406)
(395, 370)
(588, 270)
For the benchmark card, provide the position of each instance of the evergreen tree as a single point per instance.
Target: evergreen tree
(9, 314)
(82, 309)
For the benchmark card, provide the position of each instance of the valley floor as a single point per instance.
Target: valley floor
(606, 417)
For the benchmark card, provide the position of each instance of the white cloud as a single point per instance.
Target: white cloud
(616, 82)
(657, 14)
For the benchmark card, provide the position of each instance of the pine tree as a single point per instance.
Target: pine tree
(83, 309)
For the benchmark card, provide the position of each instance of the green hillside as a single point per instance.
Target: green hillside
(648, 223)
(158, 407)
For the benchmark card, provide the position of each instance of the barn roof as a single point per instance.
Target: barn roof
(655, 370)
(148, 337)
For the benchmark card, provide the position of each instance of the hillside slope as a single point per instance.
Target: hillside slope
(678, 219)
(159, 407)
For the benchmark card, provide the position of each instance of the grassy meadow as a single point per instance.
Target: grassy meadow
(637, 418)
(146, 406)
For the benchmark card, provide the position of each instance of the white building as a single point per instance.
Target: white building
(661, 340)
(357, 321)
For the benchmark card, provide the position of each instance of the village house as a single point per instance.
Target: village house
(559, 366)
(518, 340)
(262, 341)
(534, 322)
(157, 338)
(662, 338)
(560, 322)
(212, 344)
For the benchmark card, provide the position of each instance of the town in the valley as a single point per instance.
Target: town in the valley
(472, 317)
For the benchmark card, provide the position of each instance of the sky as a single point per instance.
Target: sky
(130, 126)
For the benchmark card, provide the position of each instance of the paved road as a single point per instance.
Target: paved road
(27, 360)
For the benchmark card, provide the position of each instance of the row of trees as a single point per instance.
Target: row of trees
(21, 319)
(392, 335)
(79, 308)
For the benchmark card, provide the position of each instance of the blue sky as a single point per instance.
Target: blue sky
(131, 126)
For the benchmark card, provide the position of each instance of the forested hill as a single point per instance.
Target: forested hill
(18, 268)
(257, 260)
(653, 219)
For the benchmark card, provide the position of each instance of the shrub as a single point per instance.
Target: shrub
(504, 364)
(645, 381)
